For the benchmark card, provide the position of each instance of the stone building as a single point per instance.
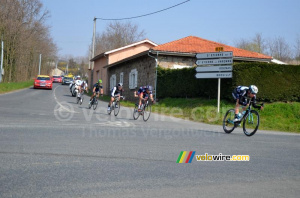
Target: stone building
(139, 68)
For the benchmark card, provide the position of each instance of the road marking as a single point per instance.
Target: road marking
(115, 124)
(56, 100)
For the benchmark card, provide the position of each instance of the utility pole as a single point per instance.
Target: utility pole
(1, 67)
(93, 52)
(40, 64)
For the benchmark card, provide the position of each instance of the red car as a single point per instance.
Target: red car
(57, 79)
(43, 81)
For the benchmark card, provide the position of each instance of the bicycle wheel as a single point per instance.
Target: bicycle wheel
(77, 99)
(81, 100)
(90, 104)
(251, 123)
(110, 109)
(147, 112)
(136, 113)
(228, 124)
(95, 104)
(117, 108)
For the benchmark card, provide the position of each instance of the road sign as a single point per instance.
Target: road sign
(214, 75)
(214, 55)
(222, 61)
(214, 68)
(219, 49)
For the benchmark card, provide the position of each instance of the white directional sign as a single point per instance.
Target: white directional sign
(214, 68)
(214, 55)
(214, 75)
(221, 61)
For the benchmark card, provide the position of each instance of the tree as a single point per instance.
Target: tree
(25, 36)
(117, 35)
(256, 44)
(279, 49)
(297, 49)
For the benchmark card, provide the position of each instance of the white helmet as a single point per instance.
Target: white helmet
(253, 89)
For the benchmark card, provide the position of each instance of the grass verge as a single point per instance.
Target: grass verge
(276, 116)
(12, 86)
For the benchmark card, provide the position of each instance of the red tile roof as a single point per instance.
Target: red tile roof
(193, 44)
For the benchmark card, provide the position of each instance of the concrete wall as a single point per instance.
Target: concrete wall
(170, 61)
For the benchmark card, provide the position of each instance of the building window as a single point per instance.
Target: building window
(133, 79)
(121, 77)
(113, 81)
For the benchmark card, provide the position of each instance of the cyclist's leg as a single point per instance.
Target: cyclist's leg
(94, 94)
(111, 101)
(141, 97)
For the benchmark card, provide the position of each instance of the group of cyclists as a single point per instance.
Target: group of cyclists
(242, 95)
(117, 91)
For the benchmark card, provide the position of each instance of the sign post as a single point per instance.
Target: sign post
(215, 65)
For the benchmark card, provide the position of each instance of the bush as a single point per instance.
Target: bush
(275, 82)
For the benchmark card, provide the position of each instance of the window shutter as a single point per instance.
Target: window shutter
(136, 79)
(130, 80)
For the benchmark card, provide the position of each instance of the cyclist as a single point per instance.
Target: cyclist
(241, 95)
(143, 93)
(97, 89)
(116, 91)
(83, 87)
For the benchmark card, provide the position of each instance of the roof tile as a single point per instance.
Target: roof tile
(193, 44)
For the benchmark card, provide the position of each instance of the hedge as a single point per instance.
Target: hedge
(275, 82)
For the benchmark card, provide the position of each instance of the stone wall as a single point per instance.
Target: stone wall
(145, 67)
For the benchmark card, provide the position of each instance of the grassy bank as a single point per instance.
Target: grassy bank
(12, 86)
(275, 116)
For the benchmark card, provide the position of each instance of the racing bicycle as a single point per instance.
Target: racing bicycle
(115, 106)
(250, 120)
(145, 110)
(93, 103)
(80, 98)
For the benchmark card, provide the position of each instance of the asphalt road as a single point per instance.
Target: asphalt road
(52, 147)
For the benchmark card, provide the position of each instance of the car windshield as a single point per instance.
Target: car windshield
(66, 78)
(56, 76)
(43, 78)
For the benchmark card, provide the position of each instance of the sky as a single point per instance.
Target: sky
(226, 21)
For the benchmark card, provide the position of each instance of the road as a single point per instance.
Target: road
(52, 147)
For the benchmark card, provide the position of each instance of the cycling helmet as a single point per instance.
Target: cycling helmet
(120, 85)
(148, 87)
(100, 81)
(253, 89)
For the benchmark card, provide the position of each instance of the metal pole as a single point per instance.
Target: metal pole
(67, 68)
(219, 93)
(156, 65)
(40, 64)
(93, 52)
(1, 68)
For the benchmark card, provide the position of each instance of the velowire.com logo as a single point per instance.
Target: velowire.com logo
(187, 157)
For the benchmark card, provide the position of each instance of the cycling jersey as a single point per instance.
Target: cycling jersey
(143, 91)
(83, 85)
(98, 87)
(115, 91)
(241, 93)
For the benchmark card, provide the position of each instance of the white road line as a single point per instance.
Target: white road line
(56, 100)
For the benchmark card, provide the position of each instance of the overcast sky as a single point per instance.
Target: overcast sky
(228, 21)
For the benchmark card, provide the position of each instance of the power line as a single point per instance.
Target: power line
(104, 19)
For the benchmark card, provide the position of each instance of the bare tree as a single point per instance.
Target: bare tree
(117, 35)
(25, 37)
(279, 49)
(256, 44)
(297, 49)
